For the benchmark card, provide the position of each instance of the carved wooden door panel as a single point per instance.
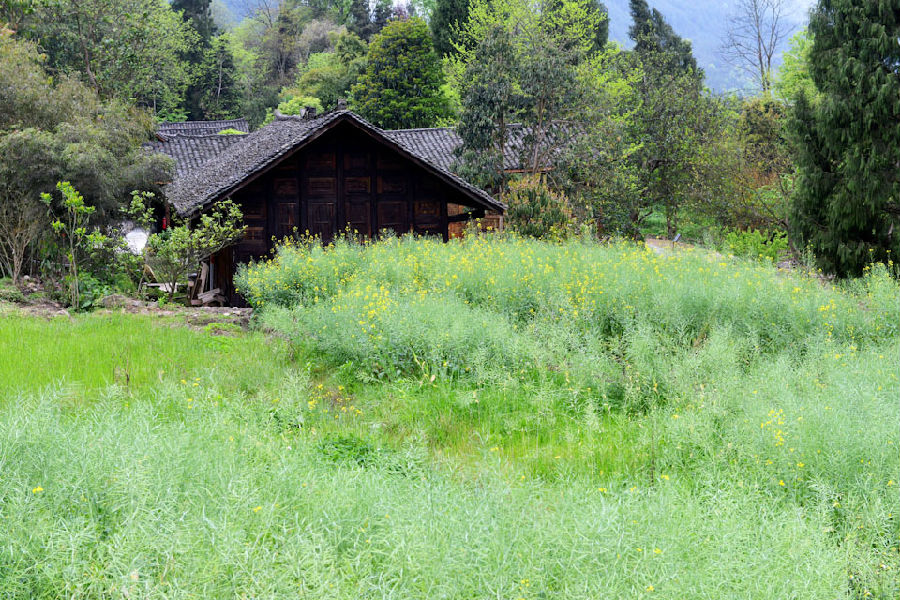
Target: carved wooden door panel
(321, 206)
(392, 211)
(286, 197)
(356, 188)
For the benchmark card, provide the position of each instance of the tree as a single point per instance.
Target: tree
(447, 18)
(793, 78)
(755, 34)
(384, 12)
(22, 215)
(676, 124)
(59, 130)
(220, 93)
(487, 102)
(549, 93)
(768, 172)
(199, 14)
(174, 252)
(360, 19)
(598, 168)
(846, 200)
(329, 76)
(401, 87)
(72, 228)
(128, 49)
(209, 68)
(518, 61)
(653, 35)
(601, 37)
(93, 143)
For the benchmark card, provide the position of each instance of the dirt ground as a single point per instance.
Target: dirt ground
(196, 317)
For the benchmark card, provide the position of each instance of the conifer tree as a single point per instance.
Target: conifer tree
(847, 199)
(199, 13)
(446, 19)
(220, 93)
(652, 34)
(360, 21)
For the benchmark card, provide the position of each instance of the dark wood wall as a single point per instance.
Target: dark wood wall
(344, 180)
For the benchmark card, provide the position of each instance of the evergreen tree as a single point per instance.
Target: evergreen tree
(446, 19)
(487, 102)
(846, 203)
(383, 13)
(602, 32)
(360, 19)
(220, 93)
(199, 13)
(401, 87)
(652, 34)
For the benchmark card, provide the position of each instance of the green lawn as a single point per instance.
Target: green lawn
(482, 419)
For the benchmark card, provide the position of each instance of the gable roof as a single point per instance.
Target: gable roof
(200, 128)
(233, 166)
(190, 152)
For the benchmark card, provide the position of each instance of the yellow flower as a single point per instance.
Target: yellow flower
(37, 490)
(650, 588)
(781, 482)
(257, 509)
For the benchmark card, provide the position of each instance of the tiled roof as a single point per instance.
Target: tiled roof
(438, 143)
(435, 144)
(200, 128)
(190, 152)
(221, 174)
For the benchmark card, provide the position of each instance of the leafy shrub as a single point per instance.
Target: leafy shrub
(756, 244)
(485, 306)
(294, 106)
(537, 211)
(9, 292)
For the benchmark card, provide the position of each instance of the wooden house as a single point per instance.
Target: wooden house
(323, 175)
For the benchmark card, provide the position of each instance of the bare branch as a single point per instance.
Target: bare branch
(755, 33)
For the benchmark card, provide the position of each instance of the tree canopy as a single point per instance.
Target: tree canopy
(401, 87)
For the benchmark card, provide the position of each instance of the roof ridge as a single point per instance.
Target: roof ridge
(421, 129)
(204, 135)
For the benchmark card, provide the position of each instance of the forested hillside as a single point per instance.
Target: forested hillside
(704, 22)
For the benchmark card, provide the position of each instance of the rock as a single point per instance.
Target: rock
(114, 301)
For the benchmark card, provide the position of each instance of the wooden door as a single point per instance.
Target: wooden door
(320, 194)
(286, 200)
(392, 210)
(356, 189)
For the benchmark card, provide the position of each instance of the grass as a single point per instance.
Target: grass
(486, 418)
(87, 354)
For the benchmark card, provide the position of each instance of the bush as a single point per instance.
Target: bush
(755, 244)
(488, 305)
(537, 211)
(9, 292)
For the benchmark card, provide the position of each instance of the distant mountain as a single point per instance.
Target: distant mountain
(705, 23)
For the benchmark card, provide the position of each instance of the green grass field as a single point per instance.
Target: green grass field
(488, 418)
